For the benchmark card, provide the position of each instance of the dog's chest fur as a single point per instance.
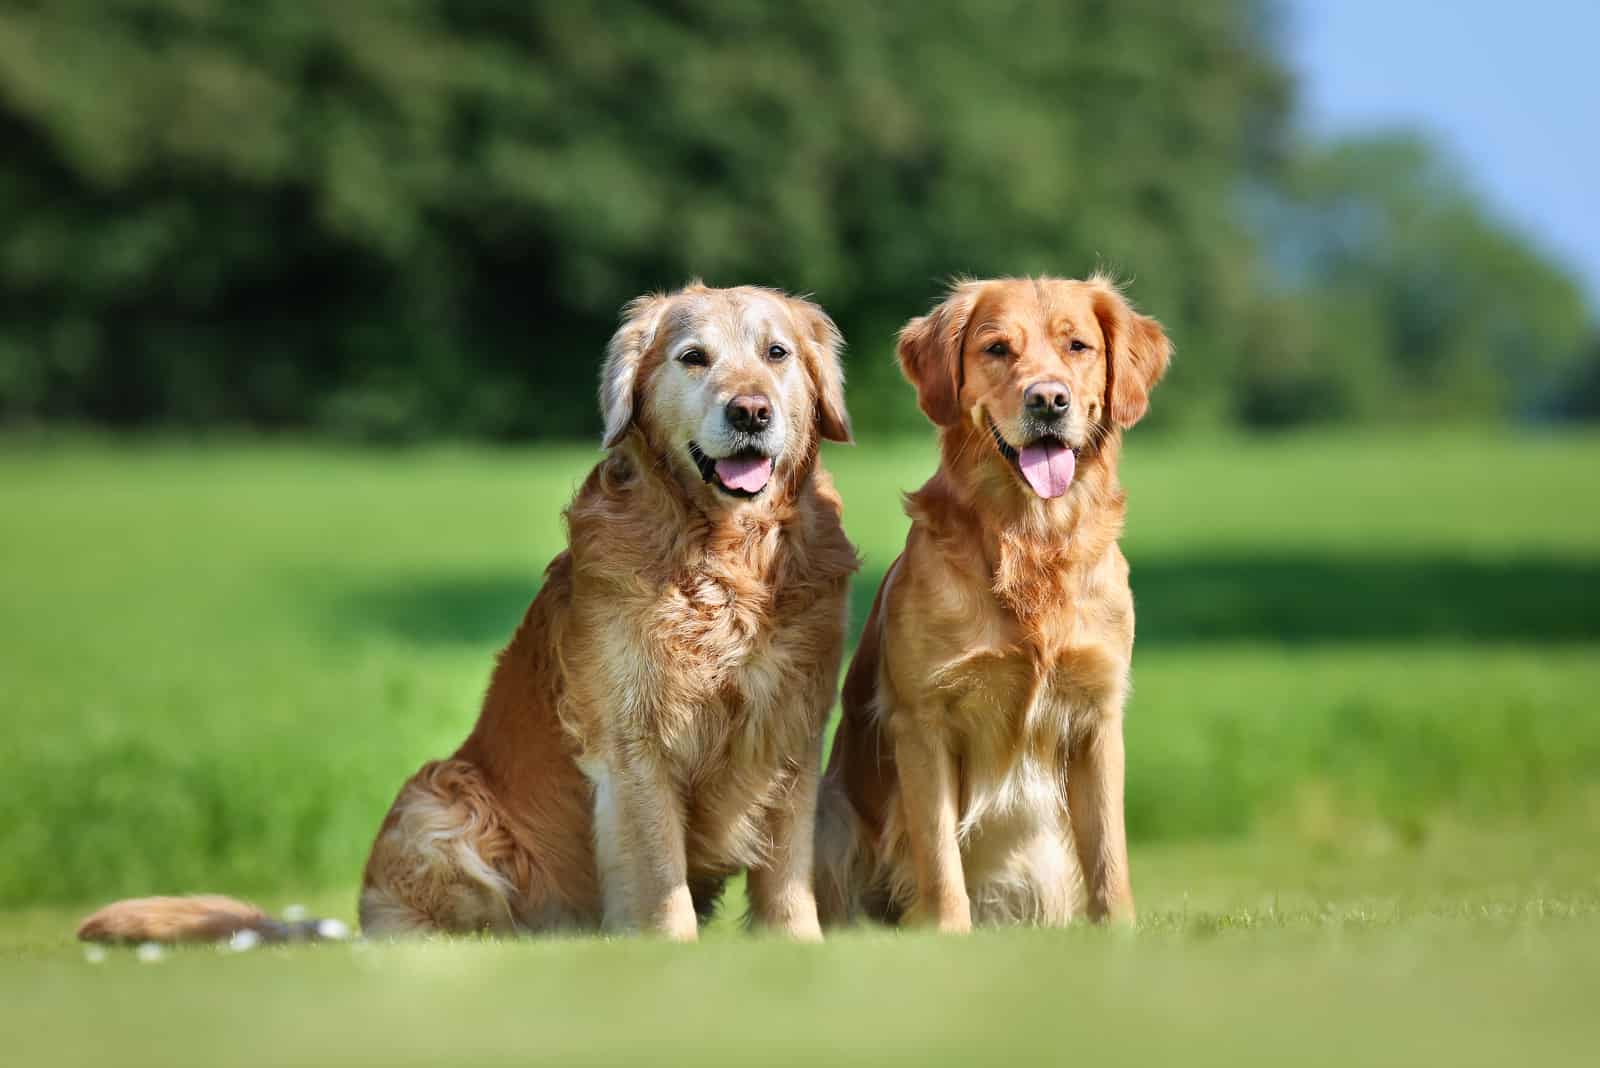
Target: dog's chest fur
(711, 662)
(1020, 674)
(1013, 716)
(1029, 688)
(1022, 702)
(736, 719)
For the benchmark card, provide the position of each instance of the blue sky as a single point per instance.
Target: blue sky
(1511, 89)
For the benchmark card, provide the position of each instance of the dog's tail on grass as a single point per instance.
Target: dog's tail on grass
(843, 867)
(198, 919)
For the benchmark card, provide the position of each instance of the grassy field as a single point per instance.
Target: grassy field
(1364, 764)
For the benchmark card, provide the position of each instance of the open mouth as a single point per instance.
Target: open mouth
(1046, 464)
(744, 474)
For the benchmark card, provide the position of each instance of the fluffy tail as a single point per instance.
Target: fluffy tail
(201, 918)
(843, 866)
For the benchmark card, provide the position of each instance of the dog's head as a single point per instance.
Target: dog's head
(1044, 368)
(732, 387)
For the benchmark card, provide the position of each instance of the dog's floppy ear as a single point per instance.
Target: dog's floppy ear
(930, 354)
(823, 345)
(1137, 353)
(640, 317)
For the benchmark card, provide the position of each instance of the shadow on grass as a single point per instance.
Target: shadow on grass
(1307, 598)
(1284, 597)
(441, 609)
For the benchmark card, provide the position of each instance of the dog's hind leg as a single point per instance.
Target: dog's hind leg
(445, 860)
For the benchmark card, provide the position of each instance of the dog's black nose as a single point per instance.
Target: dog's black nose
(1047, 400)
(749, 412)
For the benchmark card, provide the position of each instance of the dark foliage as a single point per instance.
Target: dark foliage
(419, 217)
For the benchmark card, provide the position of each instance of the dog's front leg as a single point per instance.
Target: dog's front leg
(1095, 773)
(639, 829)
(928, 801)
(781, 893)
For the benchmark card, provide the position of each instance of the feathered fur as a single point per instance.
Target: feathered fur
(977, 772)
(655, 724)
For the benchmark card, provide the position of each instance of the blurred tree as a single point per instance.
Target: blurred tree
(1402, 297)
(1579, 396)
(421, 216)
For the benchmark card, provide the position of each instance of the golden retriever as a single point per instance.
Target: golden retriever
(655, 724)
(977, 775)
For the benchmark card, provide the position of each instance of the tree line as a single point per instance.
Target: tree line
(419, 217)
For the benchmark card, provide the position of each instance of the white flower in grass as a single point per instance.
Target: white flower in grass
(332, 930)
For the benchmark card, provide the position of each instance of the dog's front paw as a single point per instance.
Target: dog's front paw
(950, 916)
(803, 930)
(676, 919)
(790, 912)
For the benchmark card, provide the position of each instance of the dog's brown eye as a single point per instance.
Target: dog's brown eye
(1077, 346)
(692, 358)
(999, 348)
(777, 353)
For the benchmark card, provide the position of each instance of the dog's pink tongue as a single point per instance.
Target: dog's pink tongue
(1048, 467)
(748, 475)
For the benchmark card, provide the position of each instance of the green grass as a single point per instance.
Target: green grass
(1479, 948)
(1364, 764)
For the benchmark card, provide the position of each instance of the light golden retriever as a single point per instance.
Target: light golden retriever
(656, 723)
(977, 775)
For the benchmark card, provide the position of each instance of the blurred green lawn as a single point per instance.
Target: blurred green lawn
(1364, 762)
